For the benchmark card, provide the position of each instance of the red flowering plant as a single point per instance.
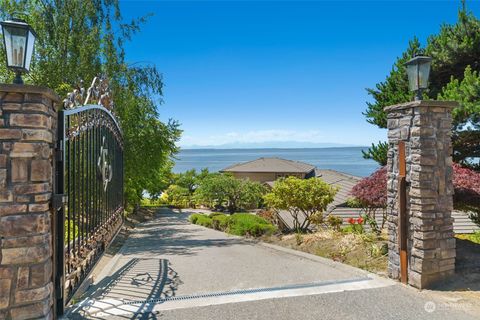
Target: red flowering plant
(371, 193)
(355, 225)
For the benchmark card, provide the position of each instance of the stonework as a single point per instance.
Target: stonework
(425, 126)
(27, 131)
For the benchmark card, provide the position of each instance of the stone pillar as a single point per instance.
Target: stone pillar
(425, 126)
(27, 134)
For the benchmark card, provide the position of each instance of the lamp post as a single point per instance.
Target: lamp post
(418, 71)
(19, 40)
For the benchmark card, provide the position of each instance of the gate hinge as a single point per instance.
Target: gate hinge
(59, 200)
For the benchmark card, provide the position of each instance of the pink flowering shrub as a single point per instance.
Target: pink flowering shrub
(371, 192)
(466, 183)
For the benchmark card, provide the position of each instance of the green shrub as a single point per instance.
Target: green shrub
(204, 221)
(353, 228)
(240, 224)
(248, 224)
(334, 222)
(220, 222)
(213, 214)
(146, 202)
(353, 203)
(73, 230)
(178, 196)
(194, 217)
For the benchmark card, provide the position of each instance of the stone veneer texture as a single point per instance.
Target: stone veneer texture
(27, 139)
(425, 126)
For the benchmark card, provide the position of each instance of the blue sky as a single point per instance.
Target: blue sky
(252, 71)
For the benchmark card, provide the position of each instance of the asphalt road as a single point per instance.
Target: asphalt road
(171, 269)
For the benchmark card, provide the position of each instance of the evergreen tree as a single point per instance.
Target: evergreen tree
(456, 55)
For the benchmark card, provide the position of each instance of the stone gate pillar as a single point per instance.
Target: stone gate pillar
(27, 134)
(425, 127)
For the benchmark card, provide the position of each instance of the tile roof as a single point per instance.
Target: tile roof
(271, 165)
(343, 181)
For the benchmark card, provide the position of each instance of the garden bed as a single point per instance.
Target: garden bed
(240, 224)
(366, 251)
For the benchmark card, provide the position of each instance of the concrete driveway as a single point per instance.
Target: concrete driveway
(171, 269)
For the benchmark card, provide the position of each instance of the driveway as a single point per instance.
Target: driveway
(171, 269)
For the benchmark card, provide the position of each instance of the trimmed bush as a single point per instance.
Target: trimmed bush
(194, 217)
(213, 214)
(204, 221)
(220, 222)
(242, 224)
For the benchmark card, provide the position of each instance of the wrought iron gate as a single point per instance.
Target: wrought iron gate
(89, 186)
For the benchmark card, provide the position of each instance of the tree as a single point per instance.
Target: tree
(377, 153)
(187, 180)
(304, 199)
(190, 179)
(466, 117)
(393, 90)
(371, 193)
(223, 189)
(178, 196)
(456, 55)
(83, 39)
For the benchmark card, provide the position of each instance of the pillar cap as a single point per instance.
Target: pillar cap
(422, 103)
(23, 88)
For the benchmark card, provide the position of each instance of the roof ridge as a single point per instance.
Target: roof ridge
(347, 175)
(297, 165)
(241, 163)
(300, 162)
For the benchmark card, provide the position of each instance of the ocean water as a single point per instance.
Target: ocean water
(348, 160)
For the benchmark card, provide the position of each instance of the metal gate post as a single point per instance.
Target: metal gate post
(59, 218)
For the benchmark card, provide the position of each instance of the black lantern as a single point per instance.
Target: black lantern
(418, 70)
(19, 39)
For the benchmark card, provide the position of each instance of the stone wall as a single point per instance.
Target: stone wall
(425, 126)
(27, 133)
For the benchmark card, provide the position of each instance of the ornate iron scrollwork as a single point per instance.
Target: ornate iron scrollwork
(98, 93)
(104, 168)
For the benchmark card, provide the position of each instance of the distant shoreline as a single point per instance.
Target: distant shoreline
(272, 148)
(344, 159)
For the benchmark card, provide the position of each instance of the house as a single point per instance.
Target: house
(267, 170)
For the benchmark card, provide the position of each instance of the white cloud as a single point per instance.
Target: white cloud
(257, 136)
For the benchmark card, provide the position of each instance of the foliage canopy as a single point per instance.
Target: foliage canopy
(454, 76)
(218, 189)
(304, 199)
(82, 39)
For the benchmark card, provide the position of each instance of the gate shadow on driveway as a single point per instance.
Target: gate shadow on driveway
(138, 280)
(173, 235)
